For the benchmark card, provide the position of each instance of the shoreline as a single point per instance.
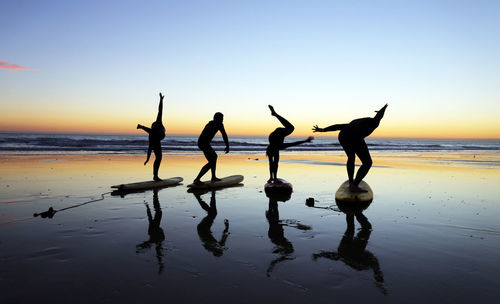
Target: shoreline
(467, 159)
(434, 223)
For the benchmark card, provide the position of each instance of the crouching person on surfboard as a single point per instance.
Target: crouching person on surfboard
(156, 134)
(276, 144)
(204, 141)
(351, 137)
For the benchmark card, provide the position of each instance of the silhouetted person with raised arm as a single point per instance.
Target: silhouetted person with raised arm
(351, 137)
(155, 232)
(206, 136)
(276, 143)
(210, 243)
(156, 134)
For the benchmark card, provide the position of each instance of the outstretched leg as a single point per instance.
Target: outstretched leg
(366, 162)
(211, 156)
(351, 157)
(288, 126)
(273, 166)
(156, 164)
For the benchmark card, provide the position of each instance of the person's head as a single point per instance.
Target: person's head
(219, 117)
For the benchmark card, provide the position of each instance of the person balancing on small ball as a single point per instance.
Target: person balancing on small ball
(352, 138)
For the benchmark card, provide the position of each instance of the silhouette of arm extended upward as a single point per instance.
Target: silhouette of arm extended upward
(224, 137)
(336, 127)
(160, 109)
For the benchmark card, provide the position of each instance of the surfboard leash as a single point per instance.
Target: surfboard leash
(51, 211)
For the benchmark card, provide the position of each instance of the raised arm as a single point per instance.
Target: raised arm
(224, 137)
(380, 113)
(296, 143)
(148, 130)
(160, 109)
(336, 127)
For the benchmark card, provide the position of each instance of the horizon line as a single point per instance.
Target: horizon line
(242, 135)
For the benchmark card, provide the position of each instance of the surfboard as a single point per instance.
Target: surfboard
(148, 184)
(224, 182)
(343, 194)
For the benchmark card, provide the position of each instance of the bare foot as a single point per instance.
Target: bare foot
(272, 110)
(215, 179)
(157, 179)
(197, 182)
(356, 189)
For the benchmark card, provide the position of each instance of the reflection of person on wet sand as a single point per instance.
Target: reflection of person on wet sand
(204, 227)
(351, 137)
(276, 143)
(156, 134)
(276, 233)
(204, 141)
(156, 234)
(352, 249)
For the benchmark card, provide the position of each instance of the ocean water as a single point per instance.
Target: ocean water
(46, 143)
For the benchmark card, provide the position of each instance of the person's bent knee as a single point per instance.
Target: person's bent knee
(212, 159)
(367, 162)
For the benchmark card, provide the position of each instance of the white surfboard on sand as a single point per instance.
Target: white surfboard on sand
(343, 194)
(224, 182)
(146, 185)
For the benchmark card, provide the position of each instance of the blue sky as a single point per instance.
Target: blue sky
(103, 63)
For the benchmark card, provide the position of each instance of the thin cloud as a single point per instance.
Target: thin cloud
(4, 65)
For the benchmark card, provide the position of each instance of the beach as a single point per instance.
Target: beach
(434, 233)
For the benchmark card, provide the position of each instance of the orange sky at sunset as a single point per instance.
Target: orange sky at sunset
(73, 68)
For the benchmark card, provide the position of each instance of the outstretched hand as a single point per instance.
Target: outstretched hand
(383, 108)
(317, 129)
(161, 96)
(310, 138)
(138, 126)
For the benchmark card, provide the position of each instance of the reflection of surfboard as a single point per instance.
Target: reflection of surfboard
(224, 182)
(343, 194)
(148, 184)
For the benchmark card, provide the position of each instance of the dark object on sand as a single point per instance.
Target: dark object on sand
(46, 214)
(310, 202)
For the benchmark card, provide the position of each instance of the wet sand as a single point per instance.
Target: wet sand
(434, 237)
